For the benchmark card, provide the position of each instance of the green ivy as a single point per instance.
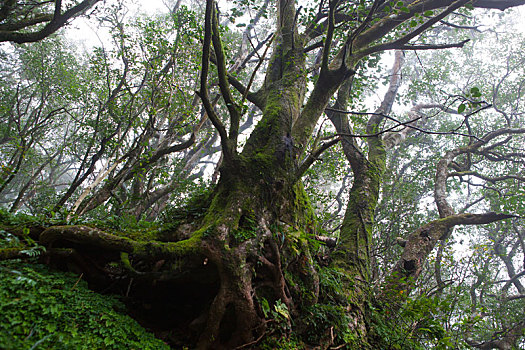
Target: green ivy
(49, 310)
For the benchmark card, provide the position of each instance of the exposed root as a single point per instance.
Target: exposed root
(97, 238)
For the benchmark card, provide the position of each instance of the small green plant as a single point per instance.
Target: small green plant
(418, 325)
(325, 321)
(25, 245)
(281, 335)
(247, 229)
(8, 240)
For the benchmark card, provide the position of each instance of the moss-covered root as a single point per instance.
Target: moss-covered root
(100, 239)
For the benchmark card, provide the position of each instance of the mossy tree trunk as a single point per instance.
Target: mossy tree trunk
(258, 197)
(352, 255)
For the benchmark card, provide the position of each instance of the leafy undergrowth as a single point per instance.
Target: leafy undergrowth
(42, 309)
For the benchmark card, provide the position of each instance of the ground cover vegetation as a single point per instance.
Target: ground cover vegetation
(263, 174)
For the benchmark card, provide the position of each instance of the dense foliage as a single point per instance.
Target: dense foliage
(45, 309)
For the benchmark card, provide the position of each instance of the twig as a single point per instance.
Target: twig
(82, 274)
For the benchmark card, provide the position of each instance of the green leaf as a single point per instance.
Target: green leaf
(475, 92)
(461, 108)
(265, 306)
(282, 309)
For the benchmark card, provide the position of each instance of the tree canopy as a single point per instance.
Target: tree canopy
(265, 174)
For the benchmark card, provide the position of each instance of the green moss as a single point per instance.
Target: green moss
(283, 102)
(261, 162)
(171, 249)
(145, 235)
(102, 239)
(299, 266)
(303, 210)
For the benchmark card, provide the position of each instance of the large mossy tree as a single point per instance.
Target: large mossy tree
(237, 266)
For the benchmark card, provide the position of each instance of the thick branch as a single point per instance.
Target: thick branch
(56, 23)
(329, 35)
(420, 243)
(40, 18)
(401, 42)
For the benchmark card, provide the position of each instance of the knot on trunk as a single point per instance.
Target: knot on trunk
(410, 265)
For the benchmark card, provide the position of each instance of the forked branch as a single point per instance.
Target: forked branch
(203, 93)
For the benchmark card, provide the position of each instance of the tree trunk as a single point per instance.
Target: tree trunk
(254, 210)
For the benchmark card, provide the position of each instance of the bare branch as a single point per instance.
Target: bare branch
(488, 178)
(313, 156)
